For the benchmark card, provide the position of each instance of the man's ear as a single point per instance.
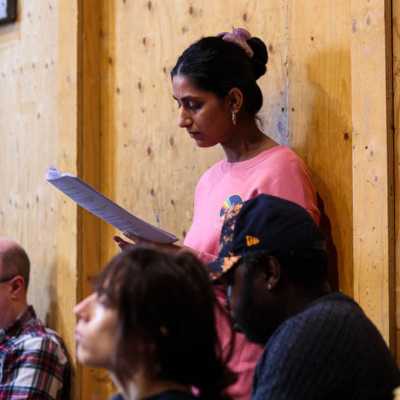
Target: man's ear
(235, 98)
(272, 272)
(17, 287)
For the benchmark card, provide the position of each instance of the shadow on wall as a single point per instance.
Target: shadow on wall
(326, 228)
(326, 138)
(52, 316)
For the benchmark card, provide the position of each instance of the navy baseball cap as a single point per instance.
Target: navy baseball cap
(264, 223)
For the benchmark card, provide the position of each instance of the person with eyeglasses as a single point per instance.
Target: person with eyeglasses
(34, 363)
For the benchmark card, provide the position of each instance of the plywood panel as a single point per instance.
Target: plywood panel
(67, 159)
(320, 114)
(89, 98)
(38, 110)
(372, 161)
(27, 109)
(151, 167)
(396, 121)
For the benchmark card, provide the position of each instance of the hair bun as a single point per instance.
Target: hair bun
(260, 57)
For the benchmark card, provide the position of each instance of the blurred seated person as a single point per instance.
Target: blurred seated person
(33, 360)
(318, 344)
(150, 323)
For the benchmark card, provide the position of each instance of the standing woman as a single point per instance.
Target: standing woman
(215, 86)
(151, 324)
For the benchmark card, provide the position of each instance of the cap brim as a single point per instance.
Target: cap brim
(221, 266)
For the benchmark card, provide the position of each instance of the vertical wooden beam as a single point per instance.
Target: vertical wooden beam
(373, 212)
(89, 95)
(396, 117)
(89, 132)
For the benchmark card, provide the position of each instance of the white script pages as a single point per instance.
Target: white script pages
(105, 209)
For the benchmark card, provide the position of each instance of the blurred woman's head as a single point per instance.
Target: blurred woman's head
(153, 313)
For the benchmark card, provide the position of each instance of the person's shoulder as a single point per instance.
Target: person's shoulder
(330, 308)
(44, 343)
(334, 306)
(213, 169)
(322, 319)
(326, 314)
(319, 323)
(211, 175)
(283, 155)
(35, 337)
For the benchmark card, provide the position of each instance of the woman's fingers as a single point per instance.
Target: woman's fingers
(136, 239)
(123, 244)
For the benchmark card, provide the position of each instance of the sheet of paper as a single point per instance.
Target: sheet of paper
(99, 205)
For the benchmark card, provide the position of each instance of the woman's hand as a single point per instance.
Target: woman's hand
(122, 244)
(169, 247)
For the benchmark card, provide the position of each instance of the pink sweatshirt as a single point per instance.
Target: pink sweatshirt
(277, 171)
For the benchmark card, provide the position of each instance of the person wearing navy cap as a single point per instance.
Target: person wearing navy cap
(318, 344)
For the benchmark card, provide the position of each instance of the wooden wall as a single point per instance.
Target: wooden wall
(319, 85)
(38, 120)
(396, 125)
(85, 86)
(373, 199)
(151, 166)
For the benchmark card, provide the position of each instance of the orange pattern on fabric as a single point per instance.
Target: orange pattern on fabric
(251, 240)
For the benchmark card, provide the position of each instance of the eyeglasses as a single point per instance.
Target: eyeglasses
(3, 280)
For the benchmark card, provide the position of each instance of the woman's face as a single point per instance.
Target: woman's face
(95, 332)
(206, 118)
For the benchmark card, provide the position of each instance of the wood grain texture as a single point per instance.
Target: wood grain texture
(38, 128)
(319, 85)
(38, 125)
(89, 112)
(396, 123)
(372, 162)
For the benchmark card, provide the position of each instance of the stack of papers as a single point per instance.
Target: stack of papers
(94, 202)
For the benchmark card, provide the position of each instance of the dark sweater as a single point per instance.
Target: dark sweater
(330, 350)
(169, 395)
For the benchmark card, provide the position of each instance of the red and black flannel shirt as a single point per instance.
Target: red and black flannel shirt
(33, 361)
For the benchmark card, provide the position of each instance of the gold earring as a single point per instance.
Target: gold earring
(233, 117)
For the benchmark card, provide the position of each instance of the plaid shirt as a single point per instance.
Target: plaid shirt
(33, 361)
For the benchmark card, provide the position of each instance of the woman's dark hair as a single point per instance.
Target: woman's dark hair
(166, 307)
(216, 65)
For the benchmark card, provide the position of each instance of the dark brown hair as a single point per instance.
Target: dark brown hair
(166, 307)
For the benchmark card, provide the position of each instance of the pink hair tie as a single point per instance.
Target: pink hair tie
(239, 36)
